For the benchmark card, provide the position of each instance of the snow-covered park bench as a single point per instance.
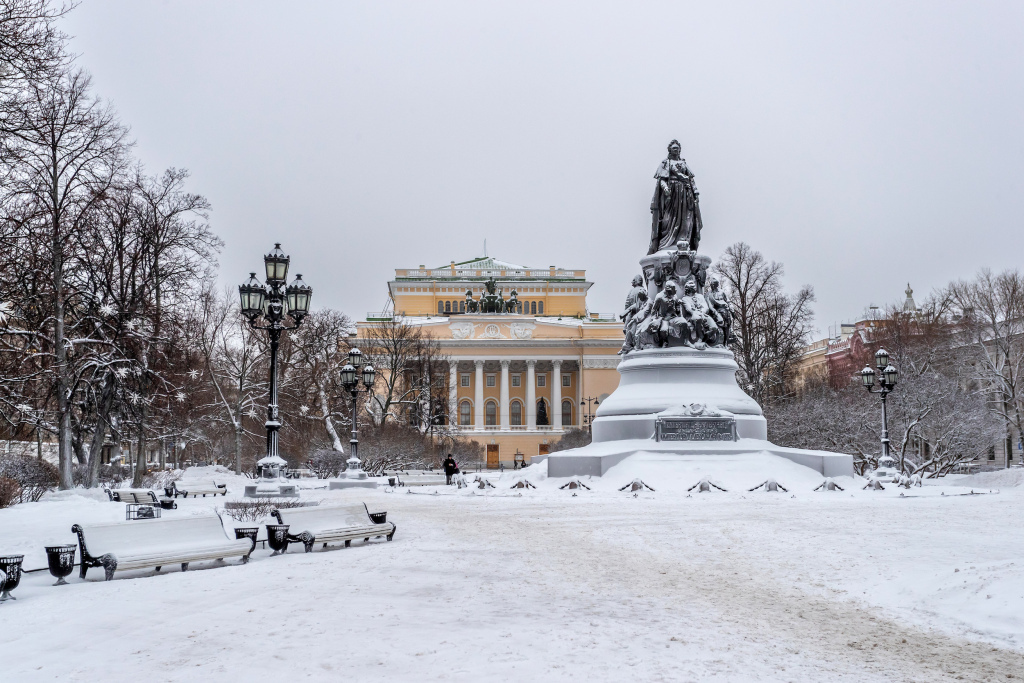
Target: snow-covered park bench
(157, 543)
(199, 488)
(333, 524)
(141, 496)
(421, 479)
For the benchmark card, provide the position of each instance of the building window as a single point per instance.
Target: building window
(465, 379)
(542, 379)
(542, 414)
(533, 308)
(491, 414)
(447, 306)
(440, 307)
(519, 307)
(490, 380)
(566, 412)
(517, 413)
(465, 413)
(566, 380)
(517, 380)
(991, 452)
(540, 308)
(462, 307)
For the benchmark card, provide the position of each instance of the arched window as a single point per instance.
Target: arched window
(566, 413)
(462, 307)
(542, 413)
(440, 307)
(447, 306)
(491, 414)
(516, 409)
(519, 307)
(465, 413)
(533, 308)
(540, 308)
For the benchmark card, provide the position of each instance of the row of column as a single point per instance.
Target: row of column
(554, 411)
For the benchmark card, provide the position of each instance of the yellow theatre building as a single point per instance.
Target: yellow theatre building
(516, 379)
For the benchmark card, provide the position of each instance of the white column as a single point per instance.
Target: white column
(531, 395)
(478, 409)
(453, 392)
(579, 394)
(556, 394)
(505, 421)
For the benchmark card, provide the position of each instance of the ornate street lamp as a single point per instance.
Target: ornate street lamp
(889, 376)
(350, 375)
(589, 405)
(267, 307)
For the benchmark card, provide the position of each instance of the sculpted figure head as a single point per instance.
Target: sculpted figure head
(671, 288)
(713, 283)
(690, 288)
(674, 149)
(642, 295)
(638, 280)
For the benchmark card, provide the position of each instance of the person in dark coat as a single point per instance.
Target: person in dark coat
(450, 468)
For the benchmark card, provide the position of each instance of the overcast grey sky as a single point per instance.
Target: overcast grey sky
(862, 144)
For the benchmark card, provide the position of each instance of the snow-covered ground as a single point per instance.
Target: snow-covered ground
(539, 584)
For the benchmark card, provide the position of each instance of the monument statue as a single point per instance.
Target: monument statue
(678, 389)
(675, 211)
(720, 303)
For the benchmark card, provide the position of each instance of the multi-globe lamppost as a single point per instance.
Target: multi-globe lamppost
(887, 384)
(589, 405)
(350, 380)
(273, 303)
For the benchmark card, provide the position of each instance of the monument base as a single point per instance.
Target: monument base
(598, 458)
(353, 484)
(271, 490)
(681, 401)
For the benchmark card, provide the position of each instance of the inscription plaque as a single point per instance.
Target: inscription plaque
(696, 429)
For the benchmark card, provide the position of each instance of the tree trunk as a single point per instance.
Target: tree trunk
(238, 448)
(328, 422)
(103, 408)
(140, 457)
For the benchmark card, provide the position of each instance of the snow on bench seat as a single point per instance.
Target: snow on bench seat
(331, 524)
(199, 488)
(156, 543)
(422, 480)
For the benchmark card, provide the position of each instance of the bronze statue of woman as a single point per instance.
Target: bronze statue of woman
(675, 211)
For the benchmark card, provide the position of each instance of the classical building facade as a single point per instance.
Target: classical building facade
(516, 379)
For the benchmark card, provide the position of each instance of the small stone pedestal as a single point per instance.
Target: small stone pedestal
(354, 477)
(271, 484)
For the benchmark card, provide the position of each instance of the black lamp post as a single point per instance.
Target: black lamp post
(887, 384)
(589, 408)
(350, 375)
(266, 307)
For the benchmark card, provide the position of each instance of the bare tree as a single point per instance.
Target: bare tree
(771, 327)
(318, 352)
(231, 364)
(411, 385)
(31, 50)
(990, 311)
(61, 159)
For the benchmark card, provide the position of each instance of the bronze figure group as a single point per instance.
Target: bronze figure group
(689, 308)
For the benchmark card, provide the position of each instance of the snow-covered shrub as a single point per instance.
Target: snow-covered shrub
(259, 509)
(33, 476)
(10, 492)
(574, 438)
(326, 463)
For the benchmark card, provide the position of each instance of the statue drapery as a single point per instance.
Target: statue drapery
(675, 210)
